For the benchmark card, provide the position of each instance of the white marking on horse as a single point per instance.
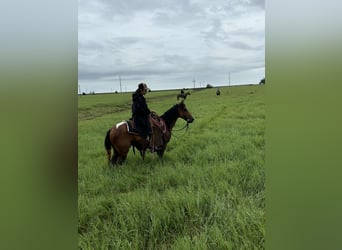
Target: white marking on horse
(121, 123)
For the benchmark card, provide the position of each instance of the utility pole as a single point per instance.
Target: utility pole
(229, 79)
(194, 83)
(120, 83)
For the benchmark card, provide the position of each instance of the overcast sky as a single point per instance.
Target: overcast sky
(169, 43)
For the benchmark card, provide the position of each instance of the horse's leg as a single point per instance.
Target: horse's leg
(122, 154)
(122, 158)
(108, 145)
(109, 154)
(142, 152)
(114, 159)
(161, 151)
(119, 157)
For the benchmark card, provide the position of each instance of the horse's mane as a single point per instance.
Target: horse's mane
(171, 115)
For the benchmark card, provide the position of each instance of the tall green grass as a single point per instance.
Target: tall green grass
(208, 192)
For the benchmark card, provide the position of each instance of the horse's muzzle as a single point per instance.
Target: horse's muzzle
(190, 120)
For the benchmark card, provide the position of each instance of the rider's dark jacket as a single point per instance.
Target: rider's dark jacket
(140, 114)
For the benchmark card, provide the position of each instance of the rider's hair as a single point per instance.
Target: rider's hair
(142, 86)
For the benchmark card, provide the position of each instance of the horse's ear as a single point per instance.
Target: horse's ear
(182, 102)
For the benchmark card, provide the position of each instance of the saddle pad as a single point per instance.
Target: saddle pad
(129, 126)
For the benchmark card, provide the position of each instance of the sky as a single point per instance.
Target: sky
(169, 44)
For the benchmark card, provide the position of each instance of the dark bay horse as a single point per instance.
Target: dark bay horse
(120, 140)
(183, 96)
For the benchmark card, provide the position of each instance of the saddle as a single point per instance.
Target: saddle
(155, 121)
(131, 127)
(159, 136)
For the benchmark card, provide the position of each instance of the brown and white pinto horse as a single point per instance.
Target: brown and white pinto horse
(121, 140)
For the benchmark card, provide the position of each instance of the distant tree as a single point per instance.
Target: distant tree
(209, 86)
(262, 81)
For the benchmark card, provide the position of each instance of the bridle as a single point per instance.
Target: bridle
(186, 127)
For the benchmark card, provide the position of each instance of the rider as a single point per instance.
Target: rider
(140, 111)
(182, 92)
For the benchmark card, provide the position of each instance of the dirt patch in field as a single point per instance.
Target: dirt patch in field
(100, 110)
(105, 109)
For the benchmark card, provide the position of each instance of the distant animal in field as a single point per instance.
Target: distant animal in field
(121, 139)
(183, 96)
(218, 92)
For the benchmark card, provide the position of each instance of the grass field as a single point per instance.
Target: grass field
(208, 192)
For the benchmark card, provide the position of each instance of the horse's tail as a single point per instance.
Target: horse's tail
(108, 144)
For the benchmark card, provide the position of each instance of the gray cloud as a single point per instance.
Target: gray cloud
(244, 46)
(169, 42)
(259, 3)
(84, 46)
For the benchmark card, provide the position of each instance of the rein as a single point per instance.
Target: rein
(185, 126)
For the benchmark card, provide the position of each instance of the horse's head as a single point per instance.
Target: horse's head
(184, 113)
